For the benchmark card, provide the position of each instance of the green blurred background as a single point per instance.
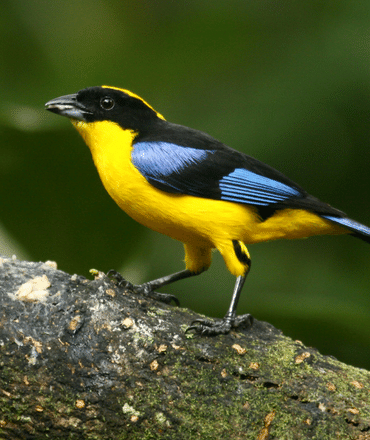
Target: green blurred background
(287, 82)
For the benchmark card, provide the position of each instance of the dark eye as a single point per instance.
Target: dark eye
(107, 103)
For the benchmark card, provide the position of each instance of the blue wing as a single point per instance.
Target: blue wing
(158, 161)
(244, 186)
(209, 173)
(360, 230)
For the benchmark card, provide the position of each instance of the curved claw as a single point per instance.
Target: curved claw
(114, 274)
(192, 327)
(147, 290)
(200, 323)
(163, 297)
(122, 282)
(206, 327)
(246, 320)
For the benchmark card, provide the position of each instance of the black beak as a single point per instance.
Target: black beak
(68, 106)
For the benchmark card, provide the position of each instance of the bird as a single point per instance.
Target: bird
(185, 184)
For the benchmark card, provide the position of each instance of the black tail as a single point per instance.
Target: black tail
(359, 230)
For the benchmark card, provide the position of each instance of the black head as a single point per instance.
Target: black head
(106, 104)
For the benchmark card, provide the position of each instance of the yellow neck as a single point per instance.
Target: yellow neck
(110, 147)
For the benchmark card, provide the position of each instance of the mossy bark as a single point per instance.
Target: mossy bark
(86, 359)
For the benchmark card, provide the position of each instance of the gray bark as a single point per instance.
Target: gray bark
(85, 359)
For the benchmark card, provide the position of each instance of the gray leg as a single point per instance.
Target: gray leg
(222, 326)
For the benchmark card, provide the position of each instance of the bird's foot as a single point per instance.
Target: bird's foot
(142, 289)
(207, 327)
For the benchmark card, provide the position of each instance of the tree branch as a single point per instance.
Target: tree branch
(87, 359)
